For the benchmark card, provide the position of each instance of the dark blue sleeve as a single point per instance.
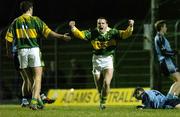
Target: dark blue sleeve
(163, 50)
(169, 53)
(146, 101)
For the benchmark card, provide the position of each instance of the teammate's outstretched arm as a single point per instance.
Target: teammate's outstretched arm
(59, 36)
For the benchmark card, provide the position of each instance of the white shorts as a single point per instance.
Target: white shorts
(29, 57)
(102, 62)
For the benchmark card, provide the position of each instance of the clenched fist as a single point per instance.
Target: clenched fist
(131, 22)
(72, 24)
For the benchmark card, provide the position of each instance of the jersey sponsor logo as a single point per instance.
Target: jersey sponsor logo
(103, 44)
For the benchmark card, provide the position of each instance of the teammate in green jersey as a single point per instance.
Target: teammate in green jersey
(26, 30)
(104, 41)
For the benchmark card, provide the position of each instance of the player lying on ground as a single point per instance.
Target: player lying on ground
(153, 99)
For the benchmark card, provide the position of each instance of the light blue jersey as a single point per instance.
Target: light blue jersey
(162, 44)
(153, 99)
(165, 54)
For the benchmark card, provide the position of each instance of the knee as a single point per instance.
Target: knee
(107, 83)
(177, 79)
(37, 79)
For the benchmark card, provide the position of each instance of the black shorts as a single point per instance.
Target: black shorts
(172, 102)
(168, 67)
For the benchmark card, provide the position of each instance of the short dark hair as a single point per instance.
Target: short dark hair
(103, 18)
(136, 90)
(25, 6)
(159, 24)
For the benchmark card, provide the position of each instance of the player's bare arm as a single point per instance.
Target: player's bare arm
(65, 36)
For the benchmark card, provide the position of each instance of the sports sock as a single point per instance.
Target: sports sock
(40, 102)
(43, 96)
(34, 101)
(103, 100)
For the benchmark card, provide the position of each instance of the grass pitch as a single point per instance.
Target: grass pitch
(85, 111)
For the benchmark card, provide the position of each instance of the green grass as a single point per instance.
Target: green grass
(85, 111)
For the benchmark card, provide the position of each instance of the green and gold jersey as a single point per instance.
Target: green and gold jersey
(26, 30)
(103, 44)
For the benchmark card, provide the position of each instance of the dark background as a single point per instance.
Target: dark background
(55, 11)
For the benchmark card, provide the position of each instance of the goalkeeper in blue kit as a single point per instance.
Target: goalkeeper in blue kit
(153, 99)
